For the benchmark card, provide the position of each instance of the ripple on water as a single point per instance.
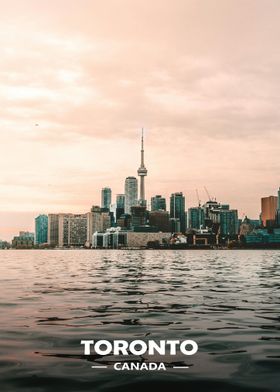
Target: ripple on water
(227, 301)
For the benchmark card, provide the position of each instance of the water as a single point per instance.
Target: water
(227, 301)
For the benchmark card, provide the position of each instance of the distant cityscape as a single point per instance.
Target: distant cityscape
(128, 223)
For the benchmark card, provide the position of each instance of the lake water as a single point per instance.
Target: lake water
(227, 301)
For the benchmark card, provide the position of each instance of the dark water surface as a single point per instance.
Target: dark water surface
(227, 301)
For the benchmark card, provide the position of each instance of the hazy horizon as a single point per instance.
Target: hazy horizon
(80, 79)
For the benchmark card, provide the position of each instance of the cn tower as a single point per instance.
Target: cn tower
(142, 172)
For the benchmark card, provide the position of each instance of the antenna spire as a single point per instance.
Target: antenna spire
(142, 172)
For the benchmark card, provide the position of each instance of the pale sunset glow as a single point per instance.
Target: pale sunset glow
(79, 79)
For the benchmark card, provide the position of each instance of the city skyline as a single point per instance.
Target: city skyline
(107, 201)
(74, 96)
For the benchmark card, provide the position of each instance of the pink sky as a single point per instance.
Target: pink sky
(202, 77)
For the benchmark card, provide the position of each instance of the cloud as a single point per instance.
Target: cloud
(202, 78)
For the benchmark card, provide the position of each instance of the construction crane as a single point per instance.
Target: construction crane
(208, 194)
(198, 199)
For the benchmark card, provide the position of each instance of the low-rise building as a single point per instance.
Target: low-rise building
(116, 238)
(25, 240)
(264, 237)
(141, 239)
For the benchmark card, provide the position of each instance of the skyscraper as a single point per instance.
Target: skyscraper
(74, 230)
(142, 172)
(138, 216)
(120, 199)
(131, 193)
(106, 197)
(120, 202)
(177, 209)
(53, 230)
(228, 220)
(269, 207)
(158, 203)
(196, 218)
(41, 229)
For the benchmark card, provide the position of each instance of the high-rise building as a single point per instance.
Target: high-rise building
(220, 218)
(177, 209)
(160, 220)
(74, 232)
(131, 194)
(142, 172)
(106, 197)
(229, 224)
(196, 218)
(158, 203)
(120, 200)
(41, 229)
(53, 229)
(268, 210)
(138, 216)
(120, 203)
(175, 225)
(67, 230)
(97, 220)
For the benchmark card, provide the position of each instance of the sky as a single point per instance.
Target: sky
(79, 79)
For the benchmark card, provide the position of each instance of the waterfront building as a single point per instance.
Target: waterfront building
(160, 220)
(208, 207)
(142, 239)
(131, 193)
(158, 202)
(25, 240)
(116, 238)
(142, 172)
(221, 219)
(41, 229)
(53, 229)
(196, 218)
(263, 237)
(224, 221)
(228, 220)
(268, 210)
(203, 237)
(67, 230)
(4, 244)
(106, 197)
(177, 209)
(97, 221)
(113, 238)
(73, 232)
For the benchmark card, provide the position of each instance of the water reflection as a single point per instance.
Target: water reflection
(228, 301)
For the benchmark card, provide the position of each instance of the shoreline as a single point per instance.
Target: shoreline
(160, 249)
